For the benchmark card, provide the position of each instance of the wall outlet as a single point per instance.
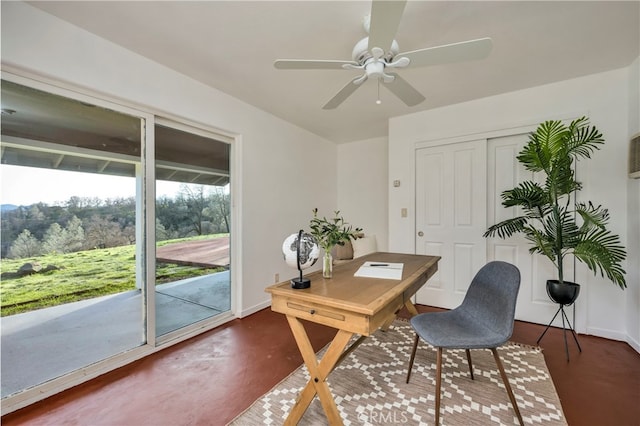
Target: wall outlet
(276, 278)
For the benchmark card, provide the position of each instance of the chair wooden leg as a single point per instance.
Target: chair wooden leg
(438, 384)
(469, 362)
(413, 356)
(505, 380)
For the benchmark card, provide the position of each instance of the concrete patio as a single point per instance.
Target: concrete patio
(44, 344)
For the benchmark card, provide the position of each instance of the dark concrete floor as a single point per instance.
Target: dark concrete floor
(210, 379)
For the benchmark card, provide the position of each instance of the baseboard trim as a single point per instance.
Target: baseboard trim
(633, 343)
(607, 334)
(255, 308)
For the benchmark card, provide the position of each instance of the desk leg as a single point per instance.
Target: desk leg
(318, 372)
(412, 311)
(411, 307)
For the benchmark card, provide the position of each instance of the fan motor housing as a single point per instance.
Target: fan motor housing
(361, 51)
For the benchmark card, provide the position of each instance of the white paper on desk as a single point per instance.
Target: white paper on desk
(384, 270)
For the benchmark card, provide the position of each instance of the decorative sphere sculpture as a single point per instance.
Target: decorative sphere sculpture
(300, 251)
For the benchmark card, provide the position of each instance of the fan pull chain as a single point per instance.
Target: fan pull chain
(378, 101)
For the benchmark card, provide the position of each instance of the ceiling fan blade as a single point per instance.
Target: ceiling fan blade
(310, 64)
(449, 53)
(403, 90)
(343, 94)
(385, 19)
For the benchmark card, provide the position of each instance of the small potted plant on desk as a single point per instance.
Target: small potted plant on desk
(551, 220)
(331, 232)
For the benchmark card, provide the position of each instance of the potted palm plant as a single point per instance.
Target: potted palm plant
(328, 233)
(551, 220)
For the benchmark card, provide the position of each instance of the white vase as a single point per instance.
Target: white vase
(327, 264)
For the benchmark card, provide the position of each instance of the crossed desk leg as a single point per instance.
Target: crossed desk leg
(319, 371)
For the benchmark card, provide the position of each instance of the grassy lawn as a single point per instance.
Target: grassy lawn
(82, 275)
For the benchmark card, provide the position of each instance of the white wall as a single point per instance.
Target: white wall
(363, 186)
(285, 171)
(633, 194)
(604, 98)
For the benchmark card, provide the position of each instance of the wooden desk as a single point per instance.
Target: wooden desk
(352, 305)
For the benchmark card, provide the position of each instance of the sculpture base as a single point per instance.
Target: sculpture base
(300, 283)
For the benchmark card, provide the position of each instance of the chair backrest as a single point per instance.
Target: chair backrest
(492, 295)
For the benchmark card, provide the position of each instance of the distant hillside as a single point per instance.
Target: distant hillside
(7, 207)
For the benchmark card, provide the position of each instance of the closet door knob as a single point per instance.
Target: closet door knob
(420, 234)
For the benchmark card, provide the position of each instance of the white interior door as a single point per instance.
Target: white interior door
(505, 172)
(458, 189)
(451, 185)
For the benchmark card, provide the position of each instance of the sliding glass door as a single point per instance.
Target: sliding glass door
(193, 280)
(71, 267)
(116, 229)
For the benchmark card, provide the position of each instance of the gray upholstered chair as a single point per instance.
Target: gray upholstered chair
(484, 320)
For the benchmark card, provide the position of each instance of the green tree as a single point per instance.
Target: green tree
(161, 232)
(35, 220)
(55, 239)
(75, 235)
(26, 245)
(219, 208)
(102, 232)
(193, 201)
(64, 240)
(169, 215)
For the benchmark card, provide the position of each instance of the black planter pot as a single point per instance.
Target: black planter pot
(565, 293)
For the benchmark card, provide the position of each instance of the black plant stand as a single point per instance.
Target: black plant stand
(564, 330)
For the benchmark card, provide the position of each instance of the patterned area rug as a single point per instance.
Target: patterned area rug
(369, 387)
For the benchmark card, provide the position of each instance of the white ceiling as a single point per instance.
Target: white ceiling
(231, 46)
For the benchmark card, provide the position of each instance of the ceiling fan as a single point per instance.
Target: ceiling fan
(377, 55)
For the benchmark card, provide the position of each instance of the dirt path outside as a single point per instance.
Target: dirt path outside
(208, 253)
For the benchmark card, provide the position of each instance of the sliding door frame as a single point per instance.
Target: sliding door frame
(145, 234)
(206, 324)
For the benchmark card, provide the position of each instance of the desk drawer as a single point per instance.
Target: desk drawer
(329, 316)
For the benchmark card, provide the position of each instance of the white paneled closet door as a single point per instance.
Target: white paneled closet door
(451, 187)
(458, 189)
(505, 172)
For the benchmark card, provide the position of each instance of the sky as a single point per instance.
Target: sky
(28, 185)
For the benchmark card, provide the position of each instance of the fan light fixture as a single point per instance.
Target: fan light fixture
(378, 55)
